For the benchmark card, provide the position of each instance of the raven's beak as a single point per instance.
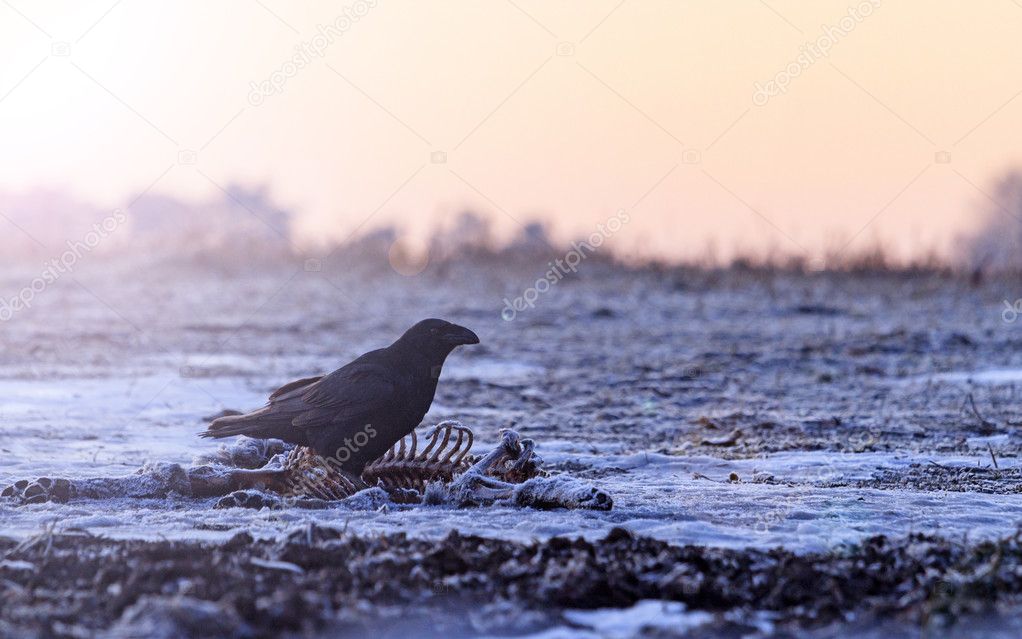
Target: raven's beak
(458, 335)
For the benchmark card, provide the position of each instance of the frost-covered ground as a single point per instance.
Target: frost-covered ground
(734, 410)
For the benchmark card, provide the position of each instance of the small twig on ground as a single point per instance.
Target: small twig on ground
(992, 456)
(728, 440)
(975, 411)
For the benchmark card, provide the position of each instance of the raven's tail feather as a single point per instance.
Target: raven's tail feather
(261, 424)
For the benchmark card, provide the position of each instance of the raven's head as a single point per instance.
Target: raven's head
(437, 337)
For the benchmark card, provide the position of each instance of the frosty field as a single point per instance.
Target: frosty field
(732, 411)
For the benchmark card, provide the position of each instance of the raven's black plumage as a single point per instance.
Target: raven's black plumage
(357, 412)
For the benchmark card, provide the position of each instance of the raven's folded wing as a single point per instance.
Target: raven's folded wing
(349, 395)
(352, 394)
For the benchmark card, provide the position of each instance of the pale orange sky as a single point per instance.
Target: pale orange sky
(653, 111)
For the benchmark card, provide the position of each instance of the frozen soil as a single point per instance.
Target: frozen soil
(754, 428)
(324, 581)
(961, 479)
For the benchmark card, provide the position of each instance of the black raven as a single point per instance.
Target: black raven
(354, 414)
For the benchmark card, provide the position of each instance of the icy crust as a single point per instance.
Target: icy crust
(155, 480)
(160, 617)
(495, 478)
(560, 491)
(806, 502)
(244, 452)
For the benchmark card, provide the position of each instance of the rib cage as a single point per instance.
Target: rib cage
(310, 475)
(403, 467)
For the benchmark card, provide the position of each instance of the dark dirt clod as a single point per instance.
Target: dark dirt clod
(314, 579)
